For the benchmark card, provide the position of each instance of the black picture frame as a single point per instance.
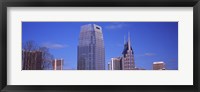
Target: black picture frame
(100, 3)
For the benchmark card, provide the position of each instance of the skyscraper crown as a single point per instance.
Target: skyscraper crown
(127, 45)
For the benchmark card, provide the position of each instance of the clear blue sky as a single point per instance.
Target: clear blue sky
(151, 41)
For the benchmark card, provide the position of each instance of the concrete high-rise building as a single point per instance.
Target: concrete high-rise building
(57, 64)
(159, 65)
(91, 50)
(115, 64)
(128, 62)
(32, 60)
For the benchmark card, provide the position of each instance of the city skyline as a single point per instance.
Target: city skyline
(151, 41)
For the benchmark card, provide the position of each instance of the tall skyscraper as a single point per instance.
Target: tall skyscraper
(91, 50)
(159, 65)
(58, 64)
(128, 56)
(115, 64)
(32, 60)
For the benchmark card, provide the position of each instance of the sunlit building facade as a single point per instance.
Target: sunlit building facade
(115, 64)
(57, 64)
(159, 65)
(91, 50)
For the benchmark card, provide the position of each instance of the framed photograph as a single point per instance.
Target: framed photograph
(76, 45)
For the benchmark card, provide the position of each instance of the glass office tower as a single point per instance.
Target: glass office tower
(91, 50)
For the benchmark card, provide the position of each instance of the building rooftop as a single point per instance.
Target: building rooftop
(159, 62)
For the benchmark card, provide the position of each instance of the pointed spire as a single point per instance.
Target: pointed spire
(129, 41)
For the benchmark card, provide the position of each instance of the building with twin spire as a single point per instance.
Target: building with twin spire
(126, 61)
